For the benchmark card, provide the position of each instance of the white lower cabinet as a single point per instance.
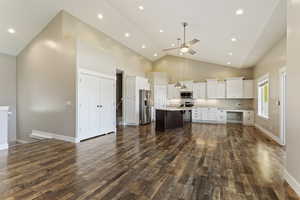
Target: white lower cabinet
(205, 115)
(248, 118)
(219, 116)
(222, 116)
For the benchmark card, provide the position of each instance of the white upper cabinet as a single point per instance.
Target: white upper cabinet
(199, 90)
(173, 92)
(221, 90)
(234, 88)
(212, 88)
(248, 89)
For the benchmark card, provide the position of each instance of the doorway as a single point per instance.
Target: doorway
(282, 104)
(119, 97)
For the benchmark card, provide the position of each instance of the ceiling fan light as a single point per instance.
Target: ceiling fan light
(184, 49)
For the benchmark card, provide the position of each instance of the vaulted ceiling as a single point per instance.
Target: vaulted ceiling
(157, 25)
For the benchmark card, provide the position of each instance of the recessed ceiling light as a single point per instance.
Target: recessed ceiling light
(127, 34)
(161, 31)
(233, 39)
(141, 7)
(143, 46)
(239, 11)
(100, 16)
(228, 63)
(155, 55)
(230, 53)
(11, 31)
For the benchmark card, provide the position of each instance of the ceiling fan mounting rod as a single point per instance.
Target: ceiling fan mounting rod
(185, 24)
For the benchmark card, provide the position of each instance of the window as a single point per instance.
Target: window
(263, 97)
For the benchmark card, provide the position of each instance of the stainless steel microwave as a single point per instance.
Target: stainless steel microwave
(186, 95)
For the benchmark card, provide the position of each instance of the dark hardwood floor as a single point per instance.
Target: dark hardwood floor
(198, 162)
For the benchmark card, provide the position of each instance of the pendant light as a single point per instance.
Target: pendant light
(178, 85)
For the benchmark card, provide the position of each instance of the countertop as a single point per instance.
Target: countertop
(173, 108)
(4, 108)
(176, 108)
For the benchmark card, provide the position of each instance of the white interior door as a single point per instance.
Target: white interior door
(89, 110)
(282, 105)
(107, 104)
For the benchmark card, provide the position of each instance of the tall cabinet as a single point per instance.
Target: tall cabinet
(133, 85)
(96, 105)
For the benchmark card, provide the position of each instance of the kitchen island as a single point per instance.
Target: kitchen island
(172, 117)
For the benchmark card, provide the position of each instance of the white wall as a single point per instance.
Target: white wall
(293, 92)
(8, 90)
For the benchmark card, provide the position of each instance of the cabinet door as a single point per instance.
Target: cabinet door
(234, 88)
(212, 114)
(212, 89)
(248, 89)
(204, 114)
(202, 90)
(89, 107)
(221, 88)
(199, 91)
(107, 107)
(248, 118)
(221, 116)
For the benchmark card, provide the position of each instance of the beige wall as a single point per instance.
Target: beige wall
(293, 94)
(186, 69)
(8, 91)
(46, 73)
(46, 83)
(270, 64)
(88, 38)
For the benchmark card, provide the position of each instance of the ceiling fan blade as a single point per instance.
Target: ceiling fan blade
(192, 42)
(170, 49)
(192, 52)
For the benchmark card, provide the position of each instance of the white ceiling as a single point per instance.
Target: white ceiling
(212, 21)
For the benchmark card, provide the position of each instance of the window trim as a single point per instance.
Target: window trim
(260, 81)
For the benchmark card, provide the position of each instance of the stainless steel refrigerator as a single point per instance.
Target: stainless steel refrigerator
(145, 107)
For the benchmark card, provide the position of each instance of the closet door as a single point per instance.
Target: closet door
(107, 106)
(89, 110)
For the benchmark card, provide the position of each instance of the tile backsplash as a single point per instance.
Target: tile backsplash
(221, 103)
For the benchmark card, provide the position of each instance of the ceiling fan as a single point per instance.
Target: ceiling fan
(185, 47)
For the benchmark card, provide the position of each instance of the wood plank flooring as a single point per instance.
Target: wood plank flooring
(201, 161)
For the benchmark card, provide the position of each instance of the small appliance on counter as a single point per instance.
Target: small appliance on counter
(145, 107)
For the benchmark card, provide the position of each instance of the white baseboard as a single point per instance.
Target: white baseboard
(269, 134)
(295, 185)
(46, 135)
(21, 141)
(3, 146)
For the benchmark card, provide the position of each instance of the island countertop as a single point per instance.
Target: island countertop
(171, 108)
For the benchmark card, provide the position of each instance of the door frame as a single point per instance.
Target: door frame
(123, 94)
(282, 104)
(82, 71)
